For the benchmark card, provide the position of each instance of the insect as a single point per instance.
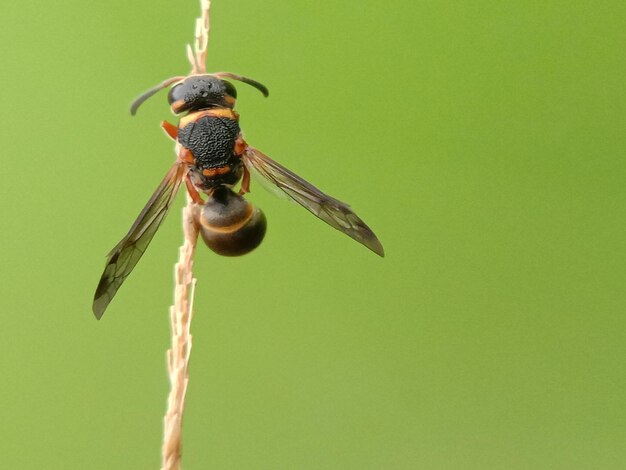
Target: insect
(212, 157)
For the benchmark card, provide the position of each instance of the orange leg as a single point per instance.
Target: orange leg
(170, 129)
(193, 192)
(245, 182)
(185, 155)
(240, 145)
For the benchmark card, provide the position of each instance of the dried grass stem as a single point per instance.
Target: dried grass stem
(181, 312)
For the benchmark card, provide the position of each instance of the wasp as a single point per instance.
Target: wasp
(212, 157)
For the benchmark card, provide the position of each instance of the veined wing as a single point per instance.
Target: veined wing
(332, 211)
(125, 255)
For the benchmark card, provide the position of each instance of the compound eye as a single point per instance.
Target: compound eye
(230, 89)
(175, 94)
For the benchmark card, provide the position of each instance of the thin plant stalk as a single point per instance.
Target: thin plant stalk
(178, 354)
(181, 312)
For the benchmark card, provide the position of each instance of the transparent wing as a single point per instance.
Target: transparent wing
(332, 211)
(123, 258)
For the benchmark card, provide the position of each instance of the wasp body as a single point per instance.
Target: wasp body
(212, 157)
(211, 141)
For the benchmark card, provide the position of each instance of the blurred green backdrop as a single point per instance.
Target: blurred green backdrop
(484, 143)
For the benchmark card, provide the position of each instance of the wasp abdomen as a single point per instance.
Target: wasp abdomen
(229, 224)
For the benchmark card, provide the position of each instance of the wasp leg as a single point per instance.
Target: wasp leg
(170, 129)
(240, 145)
(193, 192)
(185, 156)
(245, 182)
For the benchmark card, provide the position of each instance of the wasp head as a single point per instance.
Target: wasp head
(200, 92)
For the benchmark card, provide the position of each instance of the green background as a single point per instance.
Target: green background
(483, 142)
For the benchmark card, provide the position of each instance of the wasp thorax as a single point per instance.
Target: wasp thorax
(230, 225)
